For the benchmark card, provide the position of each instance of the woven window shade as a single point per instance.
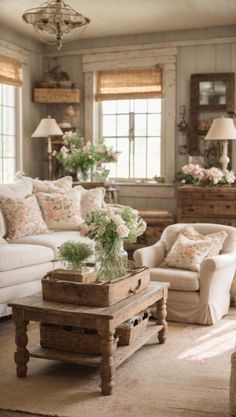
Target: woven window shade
(10, 71)
(125, 84)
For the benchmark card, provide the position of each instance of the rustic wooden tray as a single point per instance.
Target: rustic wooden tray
(100, 294)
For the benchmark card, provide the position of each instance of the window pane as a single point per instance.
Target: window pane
(8, 169)
(154, 105)
(123, 106)
(1, 169)
(140, 106)
(109, 107)
(1, 146)
(8, 95)
(122, 125)
(154, 125)
(9, 120)
(109, 126)
(123, 158)
(140, 158)
(153, 157)
(9, 146)
(140, 125)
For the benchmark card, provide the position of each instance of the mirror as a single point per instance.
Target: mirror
(212, 92)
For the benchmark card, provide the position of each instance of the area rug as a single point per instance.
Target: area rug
(188, 376)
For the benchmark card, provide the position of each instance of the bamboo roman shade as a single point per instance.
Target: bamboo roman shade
(131, 83)
(10, 71)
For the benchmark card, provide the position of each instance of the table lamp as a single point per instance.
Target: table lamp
(47, 128)
(223, 129)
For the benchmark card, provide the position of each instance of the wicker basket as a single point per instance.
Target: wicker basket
(70, 339)
(129, 331)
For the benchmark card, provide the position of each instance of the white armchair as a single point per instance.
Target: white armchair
(195, 297)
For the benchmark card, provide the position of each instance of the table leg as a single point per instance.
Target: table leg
(107, 365)
(21, 355)
(161, 313)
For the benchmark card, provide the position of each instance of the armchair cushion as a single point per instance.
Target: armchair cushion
(188, 254)
(179, 279)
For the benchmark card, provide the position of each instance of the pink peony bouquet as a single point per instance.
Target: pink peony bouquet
(194, 174)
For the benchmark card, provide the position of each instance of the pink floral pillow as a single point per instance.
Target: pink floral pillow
(61, 211)
(188, 254)
(23, 216)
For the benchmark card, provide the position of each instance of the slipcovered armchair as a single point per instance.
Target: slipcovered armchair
(195, 297)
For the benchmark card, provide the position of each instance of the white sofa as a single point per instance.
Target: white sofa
(24, 261)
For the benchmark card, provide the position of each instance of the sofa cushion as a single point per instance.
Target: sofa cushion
(61, 211)
(53, 240)
(45, 186)
(179, 279)
(23, 216)
(18, 189)
(90, 199)
(18, 256)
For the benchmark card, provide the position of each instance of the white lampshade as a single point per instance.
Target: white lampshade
(47, 127)
(222, 129)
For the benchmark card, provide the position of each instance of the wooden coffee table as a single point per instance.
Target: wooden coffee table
(103, 319)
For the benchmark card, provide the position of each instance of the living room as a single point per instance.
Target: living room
(185, 55)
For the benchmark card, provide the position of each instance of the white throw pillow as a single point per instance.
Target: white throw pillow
(91, 200)
(188, 254)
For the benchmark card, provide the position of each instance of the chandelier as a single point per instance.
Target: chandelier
(54, 20)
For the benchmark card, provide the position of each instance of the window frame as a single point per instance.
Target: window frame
(18, 130)
(143, 56)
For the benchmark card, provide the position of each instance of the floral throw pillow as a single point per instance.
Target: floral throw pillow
(188, 254)
(90, 199)
(24, 217)
(217, 238)
(61, 211)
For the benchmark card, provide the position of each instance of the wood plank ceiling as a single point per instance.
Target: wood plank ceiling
(124, 17)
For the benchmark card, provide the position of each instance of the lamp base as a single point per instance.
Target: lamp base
(224, 159)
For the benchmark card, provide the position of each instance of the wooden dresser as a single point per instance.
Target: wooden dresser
(205, 204)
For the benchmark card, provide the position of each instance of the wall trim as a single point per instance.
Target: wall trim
(130, 47)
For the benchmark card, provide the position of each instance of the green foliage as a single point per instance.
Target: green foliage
(75, 254)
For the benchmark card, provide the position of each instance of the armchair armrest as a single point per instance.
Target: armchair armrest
(216, 276)
(150, 256)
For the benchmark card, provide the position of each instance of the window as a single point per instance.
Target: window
(10, 79)
(131, 119)
(133, 128)
(7, 132)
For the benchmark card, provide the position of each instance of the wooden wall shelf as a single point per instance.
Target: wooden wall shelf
(56, 95)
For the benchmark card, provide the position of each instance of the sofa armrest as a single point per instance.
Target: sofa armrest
(150, 256)
(216, 275)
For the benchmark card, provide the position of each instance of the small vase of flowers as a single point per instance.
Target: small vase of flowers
(109, 228)
(82, 156)
(194, 174)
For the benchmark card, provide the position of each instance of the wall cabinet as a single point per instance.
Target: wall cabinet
(211, 95)
(205, 204)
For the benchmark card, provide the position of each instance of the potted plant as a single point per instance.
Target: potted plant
(74, 256)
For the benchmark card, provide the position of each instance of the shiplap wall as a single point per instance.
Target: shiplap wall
(192, 57)
(30, 53)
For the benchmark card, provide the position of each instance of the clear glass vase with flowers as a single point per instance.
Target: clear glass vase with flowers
(109, 228)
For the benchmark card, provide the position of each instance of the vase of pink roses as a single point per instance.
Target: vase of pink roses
(109, 228)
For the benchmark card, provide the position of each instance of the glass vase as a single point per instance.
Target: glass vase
(112, 263)
(83, 175)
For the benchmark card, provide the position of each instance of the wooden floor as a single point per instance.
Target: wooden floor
(6, 327)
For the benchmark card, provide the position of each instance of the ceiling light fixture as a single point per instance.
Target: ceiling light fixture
(54, 20)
